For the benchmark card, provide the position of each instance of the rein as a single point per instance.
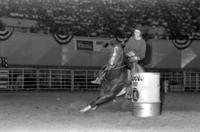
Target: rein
(116, 68)
(119, 67)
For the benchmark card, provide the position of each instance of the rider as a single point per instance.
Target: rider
(135, 49)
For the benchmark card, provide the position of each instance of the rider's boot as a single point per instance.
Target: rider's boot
(128, 94)
(97, 80)
(101, 76)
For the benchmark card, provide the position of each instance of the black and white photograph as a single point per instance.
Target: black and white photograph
(99, 65)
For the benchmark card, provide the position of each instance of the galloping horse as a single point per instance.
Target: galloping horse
(115, 81)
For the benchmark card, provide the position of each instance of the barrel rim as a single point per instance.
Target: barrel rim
(148, 73)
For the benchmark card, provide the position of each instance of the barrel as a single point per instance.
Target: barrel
(146, 94)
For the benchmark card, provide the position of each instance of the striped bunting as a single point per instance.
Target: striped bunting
(5, 34)
(62, 39)
(182, 43)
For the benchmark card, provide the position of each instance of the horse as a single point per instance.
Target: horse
(115, 80)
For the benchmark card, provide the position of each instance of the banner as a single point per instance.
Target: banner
(5, 34)
(182, 43)
(102, 45)
(84, 45)
(63, 39)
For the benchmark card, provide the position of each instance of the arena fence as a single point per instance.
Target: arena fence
(22, 79)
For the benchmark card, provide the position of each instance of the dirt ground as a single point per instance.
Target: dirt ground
(59, 112)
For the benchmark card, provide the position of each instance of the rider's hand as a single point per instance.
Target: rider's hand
(136, 58)
(131, 54)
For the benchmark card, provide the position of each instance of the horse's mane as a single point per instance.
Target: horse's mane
(117, 53)
(117, 58)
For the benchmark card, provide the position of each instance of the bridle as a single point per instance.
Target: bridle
(119, 67)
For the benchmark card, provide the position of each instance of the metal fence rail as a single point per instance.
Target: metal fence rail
(79, 79)
(186, 81)
(48, 79)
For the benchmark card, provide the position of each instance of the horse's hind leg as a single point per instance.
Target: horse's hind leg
(103, 99)
(107, 97)
(99, 101)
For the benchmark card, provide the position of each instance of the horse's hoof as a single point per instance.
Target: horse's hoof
(87, 108)
(94, 108)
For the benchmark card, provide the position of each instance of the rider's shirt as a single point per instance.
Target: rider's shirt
(137, 46)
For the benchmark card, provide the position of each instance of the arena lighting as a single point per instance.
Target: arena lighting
(4, 62)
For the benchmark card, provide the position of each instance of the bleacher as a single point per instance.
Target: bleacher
(106, 18)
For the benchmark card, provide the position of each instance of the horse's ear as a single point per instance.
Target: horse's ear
(114, 42)
(123, 45)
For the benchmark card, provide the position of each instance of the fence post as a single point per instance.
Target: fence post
(50, 78)
(166, 86)
(37, 79)
(61, 79)
(72, 80)
(23, 78)
(86, 81)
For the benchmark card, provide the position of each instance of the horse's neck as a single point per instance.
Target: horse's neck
(113, 56)
(117, 62)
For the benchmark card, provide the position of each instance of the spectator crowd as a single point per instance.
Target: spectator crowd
(160, 19)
